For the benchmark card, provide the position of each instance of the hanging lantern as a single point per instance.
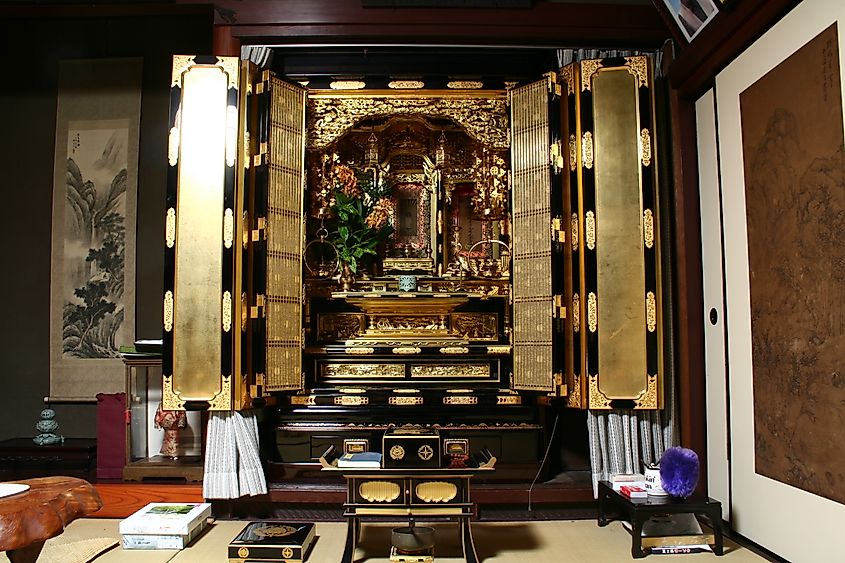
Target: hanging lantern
(320, 256)
(371, 159)
(440, 152)
(322, 196)
(489, 198)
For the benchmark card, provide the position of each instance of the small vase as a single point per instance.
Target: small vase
(347, 278)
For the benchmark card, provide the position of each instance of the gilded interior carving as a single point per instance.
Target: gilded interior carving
(485, 118)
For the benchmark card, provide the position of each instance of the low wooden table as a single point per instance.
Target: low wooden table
(638, 510)
(401, 494)
(30, 518)
(21, 458)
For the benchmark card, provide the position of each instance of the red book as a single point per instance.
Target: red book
(632, 491)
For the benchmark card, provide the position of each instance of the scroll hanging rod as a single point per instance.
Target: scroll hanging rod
(69, 400)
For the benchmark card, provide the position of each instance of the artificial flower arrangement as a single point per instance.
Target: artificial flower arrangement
(362, 211)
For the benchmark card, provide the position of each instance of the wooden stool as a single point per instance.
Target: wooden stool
(30, 518)
(638, 510)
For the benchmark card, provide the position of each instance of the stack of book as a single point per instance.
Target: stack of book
(633, 491)
(360, 459)
(627, 479)
(154, 346)
(674, 534)
(142, 349)
(162, 525)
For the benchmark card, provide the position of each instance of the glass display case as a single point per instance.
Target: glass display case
(159, 444)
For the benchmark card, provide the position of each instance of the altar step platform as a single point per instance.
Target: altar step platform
(321, 501)
(567, 496)
(486, 513)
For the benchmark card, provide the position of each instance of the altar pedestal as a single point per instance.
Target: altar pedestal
(420, 494)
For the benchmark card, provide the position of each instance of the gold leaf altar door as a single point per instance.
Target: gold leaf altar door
(233, 240)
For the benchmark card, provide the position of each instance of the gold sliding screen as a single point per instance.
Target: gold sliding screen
(279, 186)
(533, 299)
(616, 342)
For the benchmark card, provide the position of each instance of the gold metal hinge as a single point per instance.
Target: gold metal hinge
(260, 231)
(247, 149)
(556, 156)
(256, 390)
(263, 85)
(553, 83)
(560, 308)
(558, 232)
(257, 310)
(560, 385)
(261, 154)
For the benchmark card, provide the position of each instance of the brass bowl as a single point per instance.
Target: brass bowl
(412, 539)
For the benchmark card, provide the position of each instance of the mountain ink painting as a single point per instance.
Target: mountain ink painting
(95, 240)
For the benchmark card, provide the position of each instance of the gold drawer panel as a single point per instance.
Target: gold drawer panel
(436, 491)
(451, 370)
(362, 371)
(379, 491)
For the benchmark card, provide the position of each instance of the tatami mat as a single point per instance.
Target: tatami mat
(496, 542)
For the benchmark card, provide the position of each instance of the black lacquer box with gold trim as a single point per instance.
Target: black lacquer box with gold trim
(411, 447)
(277, 542)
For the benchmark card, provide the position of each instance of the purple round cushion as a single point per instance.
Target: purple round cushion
(679, 471)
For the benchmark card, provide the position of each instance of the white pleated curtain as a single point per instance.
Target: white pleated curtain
(232, 464)
(621, 441)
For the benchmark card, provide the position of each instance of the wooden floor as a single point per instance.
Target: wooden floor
(122, 499)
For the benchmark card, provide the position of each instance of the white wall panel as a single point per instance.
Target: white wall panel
(714, 323)
(791, 522)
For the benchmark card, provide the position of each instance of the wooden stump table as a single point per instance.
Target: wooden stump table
(29, 518)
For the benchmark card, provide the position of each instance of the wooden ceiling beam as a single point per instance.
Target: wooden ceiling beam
(102, 10)
(731, 32)
(347, 21)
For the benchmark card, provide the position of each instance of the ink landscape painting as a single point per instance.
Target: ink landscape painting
(92, 261)
(95, 240)
(794, 159)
